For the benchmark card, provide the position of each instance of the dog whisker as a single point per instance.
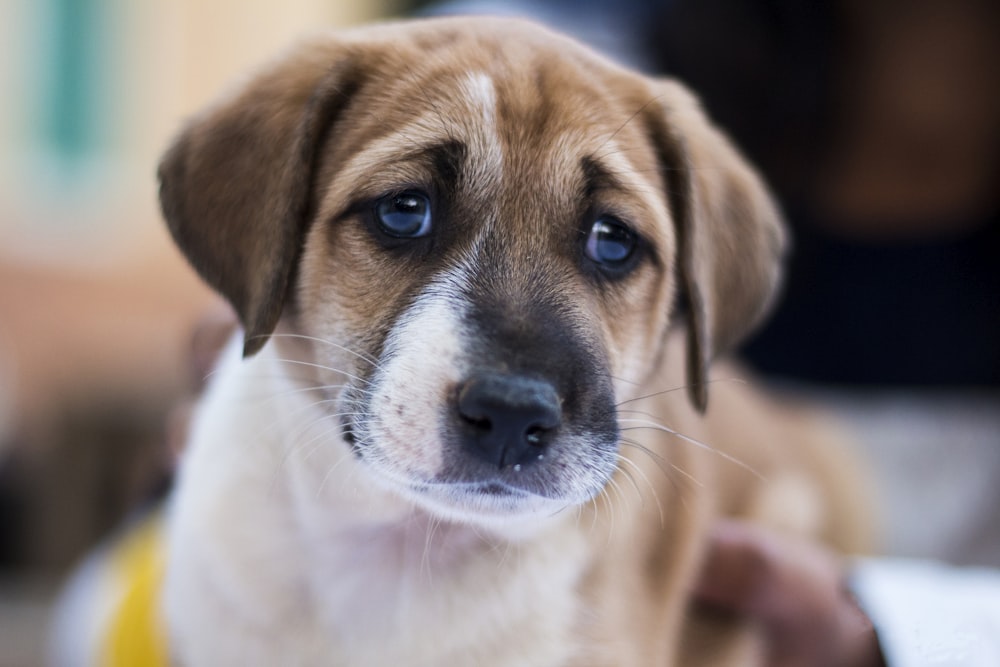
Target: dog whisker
(425, 560)
(320, 439)
(311, 445)
(634, 383)
(647, 424)
(321, 367)
(304, 386)
(304, 426)
(661, 461)
(662, 392)
(302, 410)
(503, 551)
(360, 355)
(676, 389)
(304, 389)
(628, 475)
(624, 125)
(610, 514)
(645, 478)
(345, 456)
(615, 492)
(680, 492)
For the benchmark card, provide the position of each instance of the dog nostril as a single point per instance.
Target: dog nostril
(510, 418)
(478, 423)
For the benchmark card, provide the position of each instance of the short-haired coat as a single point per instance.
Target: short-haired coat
(460, 428)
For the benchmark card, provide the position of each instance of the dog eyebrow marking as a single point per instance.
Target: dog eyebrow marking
(597, 176)
(614, 173)
(444, 138)
(448, 158)
(382, 168)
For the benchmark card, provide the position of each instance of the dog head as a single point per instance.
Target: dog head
(480, 224)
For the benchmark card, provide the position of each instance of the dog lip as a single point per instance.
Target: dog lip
(499, 489)
(490, 487)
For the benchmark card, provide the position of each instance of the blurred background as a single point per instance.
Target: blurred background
(876, 121)
(97, 309)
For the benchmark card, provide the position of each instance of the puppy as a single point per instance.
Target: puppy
(481, 272)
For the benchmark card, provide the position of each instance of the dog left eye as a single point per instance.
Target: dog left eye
(406, 215)
(610, 242)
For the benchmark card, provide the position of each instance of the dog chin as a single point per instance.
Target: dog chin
(492, 505)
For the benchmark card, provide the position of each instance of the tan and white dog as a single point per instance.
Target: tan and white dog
(460, 429)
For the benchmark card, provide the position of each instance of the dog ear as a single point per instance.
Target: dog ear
(731, 240)
(235, 187)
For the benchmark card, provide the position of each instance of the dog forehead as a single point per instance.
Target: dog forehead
(524, 113)
(514, 74)
(535, 122)
(529, 126)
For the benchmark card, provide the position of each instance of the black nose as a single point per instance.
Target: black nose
(509, 418)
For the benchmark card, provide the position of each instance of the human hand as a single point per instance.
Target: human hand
(792, 588)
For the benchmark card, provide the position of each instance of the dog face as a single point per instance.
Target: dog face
(482, 229)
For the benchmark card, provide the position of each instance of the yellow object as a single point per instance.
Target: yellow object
(135, 636)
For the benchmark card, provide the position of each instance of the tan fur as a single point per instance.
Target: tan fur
(266, 193)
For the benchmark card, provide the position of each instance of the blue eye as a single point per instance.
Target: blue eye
(406, 215)
(610, 242)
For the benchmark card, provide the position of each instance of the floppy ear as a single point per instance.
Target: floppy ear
(731, 240)
(235, 187)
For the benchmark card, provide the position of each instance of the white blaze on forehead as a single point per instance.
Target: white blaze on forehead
(478, 90)
(485, 156)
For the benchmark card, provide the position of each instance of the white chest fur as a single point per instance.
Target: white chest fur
(282, 551)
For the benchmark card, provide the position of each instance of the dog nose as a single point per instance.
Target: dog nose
(511, 417)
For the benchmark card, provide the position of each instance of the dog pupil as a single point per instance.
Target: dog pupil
(609, 242)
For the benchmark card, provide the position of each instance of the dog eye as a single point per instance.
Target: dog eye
(406, 215)
(610, 242)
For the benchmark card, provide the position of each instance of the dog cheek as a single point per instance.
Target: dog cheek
(636, 324)
(346, 300)
(399, 436)
(422, 362)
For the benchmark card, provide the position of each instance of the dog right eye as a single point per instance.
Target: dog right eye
(610, 243)
(405, 215)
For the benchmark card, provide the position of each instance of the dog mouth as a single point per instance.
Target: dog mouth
(498, 489)
(485, 490)
(498, 450)
(476, 495)
(487, 501)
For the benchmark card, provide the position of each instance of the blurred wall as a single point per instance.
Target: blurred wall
(93, 89)
(96, 306)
